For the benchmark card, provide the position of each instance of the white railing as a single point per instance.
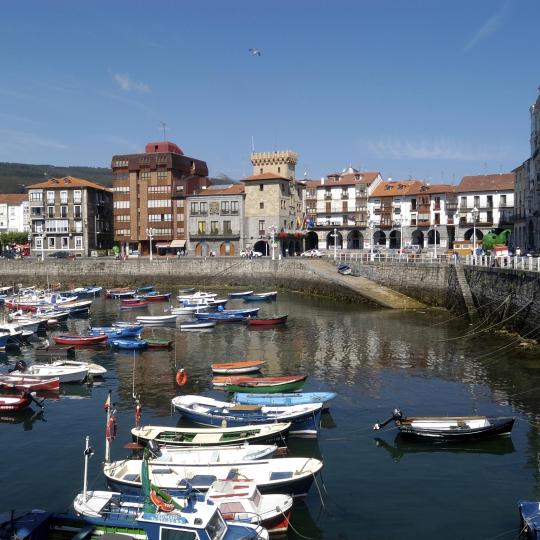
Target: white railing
(426, 258)
(531, 264)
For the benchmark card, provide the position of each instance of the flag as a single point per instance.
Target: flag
(108, 402)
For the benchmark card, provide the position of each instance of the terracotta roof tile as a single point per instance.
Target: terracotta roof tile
(13, 198)
(487, 182)
(396, 188)
(68, 182)
(265, 176)
(431, 189)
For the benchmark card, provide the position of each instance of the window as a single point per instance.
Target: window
(490, 201)
(121, 204)
(201, 227)
(77, 196)
(145, 176)
(261, 226)
(50, 211)
(63, 211)
(261, 205)
(175, 534)
(51, 242)
(64, 242)
(214, 227)
(36, 196)
(234, 207)
(227, 227)
(118, 189)
(477, 200)
(78, 242)
(437, 218)
(78, 226)
(50, 197)
(194, 208)
(159, 189)
(260, 171)
(225, 207)
(261, 187)
(38, 242)
(204, 208)
(503, 201)
(120, 163)
(63, 197)
(162, 175)
(77, 212)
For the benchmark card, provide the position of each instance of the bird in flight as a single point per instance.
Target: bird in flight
(255, 52)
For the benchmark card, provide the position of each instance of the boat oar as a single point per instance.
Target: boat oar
(396, 416)
(37, 402)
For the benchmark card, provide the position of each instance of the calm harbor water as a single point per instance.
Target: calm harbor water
(374, 484)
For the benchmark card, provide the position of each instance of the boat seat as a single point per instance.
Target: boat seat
(201, 480)
(132, 477)
(281, 475)
(240, 407)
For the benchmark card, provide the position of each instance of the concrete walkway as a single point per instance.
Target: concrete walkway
(383, 296)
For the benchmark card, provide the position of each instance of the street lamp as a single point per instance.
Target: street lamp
(474, 216)
(42, 246)
(273, 236)
(400, 223)
(435, 238)
(371, 226)
(150, 233)
(335, 236)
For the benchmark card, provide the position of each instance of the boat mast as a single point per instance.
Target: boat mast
(88, 453)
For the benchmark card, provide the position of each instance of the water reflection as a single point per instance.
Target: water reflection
(27, 418)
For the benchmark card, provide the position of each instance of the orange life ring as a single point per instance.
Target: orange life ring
(228, 517)
(160, 503)
(181, 378)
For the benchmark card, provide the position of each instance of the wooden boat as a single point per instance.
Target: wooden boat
(270, 321)
(449, 428)
(132, 344)
(195, 325)
(188, 310)
(80, 340)
(120, 292)
(247, 312)
(93, 369)
(125, 326)
(116, 331)
(280, 399)
(344, 269)
(247, 366)
(201, 437)
(65, 374)
(305, 419)
(158, 343)
(137, 304)
(51, 352)
(156, 297)
(261, 384)
(30, 384)
(261, 297)
(145, 289)
(220, 317)
(291, 476)
(240, 294)
(157, 319)
(189, 290)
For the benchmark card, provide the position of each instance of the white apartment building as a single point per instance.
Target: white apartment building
(14, 212)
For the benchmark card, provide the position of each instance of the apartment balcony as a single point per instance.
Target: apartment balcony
(215, 235)
(451, 206)
(327, 196)
(344, 196)
(198, 213)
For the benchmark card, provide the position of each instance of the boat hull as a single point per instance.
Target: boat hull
(80, 340)
(268, 322)
(229, 368)
(285, 399)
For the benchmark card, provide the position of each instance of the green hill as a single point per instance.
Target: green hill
(15, 176)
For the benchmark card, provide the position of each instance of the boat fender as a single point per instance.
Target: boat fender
(181, 378)
(112, 428)
(228, 517)
(160, 503)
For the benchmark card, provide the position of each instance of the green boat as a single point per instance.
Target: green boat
(158, 343)
(261, 385)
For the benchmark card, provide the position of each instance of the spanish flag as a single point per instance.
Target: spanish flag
(108, 402)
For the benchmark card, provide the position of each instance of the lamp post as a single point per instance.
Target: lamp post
(474, 215)
(400, 223)
(335, 243)
(371, 226)
(150, 233)
(42, 246)
(273, 236)
(435, 238)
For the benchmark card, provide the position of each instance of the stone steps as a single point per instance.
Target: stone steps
(466, 292)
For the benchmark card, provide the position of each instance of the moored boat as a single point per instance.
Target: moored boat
(30, 384)
(246, 366)
(260, 297)
(65, 374)
(80, 340)
(260, 384)
(220, 317)
(133, 304)
(15, 402)
(93, 369)
(157, 319)
(52, 352)
(268, 321)
(194, 325)
(120, 292)
(158, 343)
(344, 269)
(132, 344)
(449, 428)
(116, 331)
(282, 399)
(240, 294)
(156, 297)
(201, 437)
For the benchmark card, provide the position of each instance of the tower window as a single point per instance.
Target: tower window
(261, 205)
(261, 187)
(279, 169)
(260, 170)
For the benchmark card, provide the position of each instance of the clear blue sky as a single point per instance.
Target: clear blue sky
(430, 89)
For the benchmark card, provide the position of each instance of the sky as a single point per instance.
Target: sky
(426, 89)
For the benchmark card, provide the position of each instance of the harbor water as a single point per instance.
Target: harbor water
(374, 485)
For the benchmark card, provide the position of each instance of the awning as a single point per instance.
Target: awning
(163, 244)
(178, 243)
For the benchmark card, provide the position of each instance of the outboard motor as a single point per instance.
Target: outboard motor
(19, 366)
(153, 447)
(397, 415)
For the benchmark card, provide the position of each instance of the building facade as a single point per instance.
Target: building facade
(216, 221)
(274, 204)
(150, 191)
(14, 212)
(70, 214)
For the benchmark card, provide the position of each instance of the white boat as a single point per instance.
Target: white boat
(156, 319)
(188, 310)
(192, 298)
(64, 373)
(15, 331)
(196, 325)
(93, 369)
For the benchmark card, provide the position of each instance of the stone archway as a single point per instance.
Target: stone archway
(312, 240)
(432, 237)
(262, 247)
(468, 234)
(417, 238)
(226, 249)
(355, 240)
(379, 238)
(330, 240)
(395, 240)
(201, 249)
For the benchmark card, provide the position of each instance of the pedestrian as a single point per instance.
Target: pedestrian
(518, 252)
(178, 254)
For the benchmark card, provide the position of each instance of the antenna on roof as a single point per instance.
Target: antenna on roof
(164, 128)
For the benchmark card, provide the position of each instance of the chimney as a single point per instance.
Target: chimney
(322, 180)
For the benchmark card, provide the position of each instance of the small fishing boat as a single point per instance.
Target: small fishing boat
(157, 319)
(529, 512)
(194, 325)
(156, 297)
(93, 369)
(51, 352)
(137, 304)
(344, 269)
(78, 311)
(30, 384)
(264, 385)
(15, 402)
(261, 297)
(247, 366)
(202, 437)
(280, 399)
(65, 374)
(80, 340)
(240, 294)
(305, 419)
(125, 325)
(145, 289)
(247, 312)
(132, 344)
(4, 338)
(291, 476)
(116, 331)
(188, 310)
(270, 321)
(120, 292)
(158, 343)
(196, 296)
(220, 317)
(189, 290)
(449, 428)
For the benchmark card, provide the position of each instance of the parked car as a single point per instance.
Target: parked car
(60, 254)
(413, 249)
(252, 253)
(311, 253)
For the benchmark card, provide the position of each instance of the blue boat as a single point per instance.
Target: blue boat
(135, 327)
(304, 419)
(116, 332)
(240, 294)
(247, 312)
(79, 311)
(261, 297)
(132, 344)
(4, 337)
(220, 317)
(529, 512)
(292, 398)
(146, 289)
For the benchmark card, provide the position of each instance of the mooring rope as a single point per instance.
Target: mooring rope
(463, 315)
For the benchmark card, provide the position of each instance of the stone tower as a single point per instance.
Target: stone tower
(282, 163)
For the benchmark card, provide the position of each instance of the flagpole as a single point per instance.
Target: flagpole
(108, 405)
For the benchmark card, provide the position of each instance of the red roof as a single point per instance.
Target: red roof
(487, 182)
(396, 188)
(13, 198)
(162, 146)
(266, 176)
(432, 189)
(68, 182)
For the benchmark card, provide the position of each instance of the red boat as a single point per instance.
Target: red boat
(30, 384)
(15, 402)
(159, 297)
(272, 321)
(133, 304)
(22, 307)
(269, 381)
(80, 340)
